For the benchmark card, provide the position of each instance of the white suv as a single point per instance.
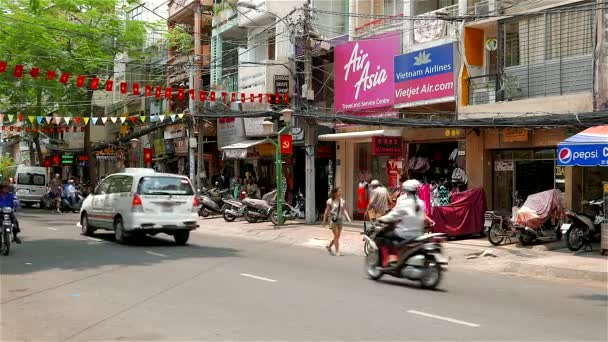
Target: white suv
(141, 201)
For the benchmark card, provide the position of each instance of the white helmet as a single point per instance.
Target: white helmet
(410, 185)
(375, 182)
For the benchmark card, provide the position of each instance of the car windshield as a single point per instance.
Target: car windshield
(164, 186)
(31, 179)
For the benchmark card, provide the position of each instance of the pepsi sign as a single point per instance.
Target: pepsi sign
(582, 155)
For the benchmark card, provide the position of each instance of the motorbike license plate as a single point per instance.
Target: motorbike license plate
(487, 223)
(6, 223)
(565, 227)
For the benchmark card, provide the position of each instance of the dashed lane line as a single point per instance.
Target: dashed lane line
(258, 277)
(447, 319)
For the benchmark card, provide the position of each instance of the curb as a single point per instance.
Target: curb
(555, 272)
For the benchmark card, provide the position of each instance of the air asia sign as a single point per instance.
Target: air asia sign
(363, 73)
(582, 155)
(425, 75)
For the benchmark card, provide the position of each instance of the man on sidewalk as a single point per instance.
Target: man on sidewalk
(380, 201)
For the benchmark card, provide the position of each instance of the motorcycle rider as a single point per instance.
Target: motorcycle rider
(408, 216)
(7, 199)
(70, 192)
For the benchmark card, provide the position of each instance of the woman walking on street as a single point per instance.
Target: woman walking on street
(336, 209)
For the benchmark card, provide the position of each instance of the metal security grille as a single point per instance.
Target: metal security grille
(546, 54)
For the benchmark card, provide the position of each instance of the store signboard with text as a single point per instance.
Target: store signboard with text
(425, 75)
(363, 73)
(387, 146)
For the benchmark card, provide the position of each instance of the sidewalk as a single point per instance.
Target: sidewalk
(548, 260)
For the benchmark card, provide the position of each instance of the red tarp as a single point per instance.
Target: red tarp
(463, 216)
(539, 207)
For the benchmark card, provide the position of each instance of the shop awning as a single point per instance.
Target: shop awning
(353, 135)
(587, 148)
(239, 150)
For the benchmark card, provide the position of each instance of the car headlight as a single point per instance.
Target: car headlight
(7, 217)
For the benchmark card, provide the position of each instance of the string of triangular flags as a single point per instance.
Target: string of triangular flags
(21, 122)
(149, 90)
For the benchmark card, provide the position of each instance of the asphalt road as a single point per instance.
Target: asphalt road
(59, 285)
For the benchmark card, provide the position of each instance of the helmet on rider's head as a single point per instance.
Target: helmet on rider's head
(375, 183)
(410, 185)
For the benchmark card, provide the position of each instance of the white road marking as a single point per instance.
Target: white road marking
(52, 228)
(157, 254)
(451, 320)
(258, 278)
(93, 239)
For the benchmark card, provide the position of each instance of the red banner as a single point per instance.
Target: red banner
(286, 144)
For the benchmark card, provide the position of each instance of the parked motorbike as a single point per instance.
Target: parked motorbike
(212, 202)
(499, 225)
(234, 209)
(289, 212)
(73, 206)
(581, 229)
(420, 259)
(7, 230)
(540, 217)
(257, 209)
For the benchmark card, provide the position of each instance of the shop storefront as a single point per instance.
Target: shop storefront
(584, 157)
(514, 163)
(523, 172)
(251, 159)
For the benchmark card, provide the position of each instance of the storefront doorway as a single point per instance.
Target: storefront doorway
(520, 173)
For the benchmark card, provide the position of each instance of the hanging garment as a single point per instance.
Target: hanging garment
(425, 196)
(459, 176)
(362, 199)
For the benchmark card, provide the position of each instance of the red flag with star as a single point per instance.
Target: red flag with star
(18, 70)
(94, 83)
(148, 155)
(65, 77)
(80, 81)
(34, 72)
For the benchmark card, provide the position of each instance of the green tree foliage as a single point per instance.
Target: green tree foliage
(7, 168)
(81, 37)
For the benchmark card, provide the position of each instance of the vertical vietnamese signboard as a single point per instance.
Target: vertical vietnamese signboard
(425, 76)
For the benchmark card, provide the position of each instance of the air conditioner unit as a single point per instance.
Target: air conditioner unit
(482, 8)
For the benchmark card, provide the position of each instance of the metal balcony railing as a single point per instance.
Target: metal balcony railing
(483, 89)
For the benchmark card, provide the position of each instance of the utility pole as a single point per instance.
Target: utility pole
(201, 172)
(195, 81)
(309, 137)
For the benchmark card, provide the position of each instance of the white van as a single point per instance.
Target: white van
(30, 184)
(140, 201)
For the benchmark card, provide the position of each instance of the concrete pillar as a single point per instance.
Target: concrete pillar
(479, 164)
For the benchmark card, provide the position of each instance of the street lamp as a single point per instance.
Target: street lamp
(267, 126)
